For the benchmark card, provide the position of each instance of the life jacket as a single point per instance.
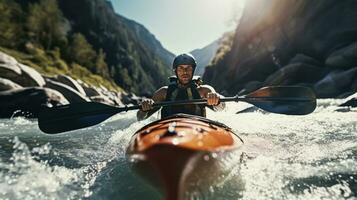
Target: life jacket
(174, 93)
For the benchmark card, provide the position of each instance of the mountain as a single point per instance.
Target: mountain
(85, 38)
(205, 55)
(309, 43)
(150, 41)
(131, 50)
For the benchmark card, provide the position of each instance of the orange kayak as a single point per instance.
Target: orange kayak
(180, 152)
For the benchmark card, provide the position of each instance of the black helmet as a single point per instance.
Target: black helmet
(184, 59)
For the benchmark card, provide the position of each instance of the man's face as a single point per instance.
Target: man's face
(184, 73)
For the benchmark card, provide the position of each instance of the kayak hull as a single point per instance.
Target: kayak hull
(178, 154)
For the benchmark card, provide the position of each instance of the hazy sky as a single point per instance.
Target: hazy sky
(183, 25)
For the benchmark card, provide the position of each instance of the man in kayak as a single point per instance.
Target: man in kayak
(182, 88)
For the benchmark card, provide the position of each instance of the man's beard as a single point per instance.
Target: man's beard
(184, 84)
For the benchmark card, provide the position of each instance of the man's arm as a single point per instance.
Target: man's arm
(209, 92)
(146, 112)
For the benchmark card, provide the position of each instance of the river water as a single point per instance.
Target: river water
(289, 157)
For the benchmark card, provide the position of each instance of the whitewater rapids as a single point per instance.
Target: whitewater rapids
(289, 157)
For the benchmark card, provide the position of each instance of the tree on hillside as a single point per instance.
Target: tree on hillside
(11, 29)
(81, 52)
(122, 77)
(46, 24)
(101, 65)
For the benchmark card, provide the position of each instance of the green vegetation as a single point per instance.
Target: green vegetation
(45, 24)
(224, 48)
(44, 38)
(81, 52)
(96, 47)
(11, 26)
(49, 63)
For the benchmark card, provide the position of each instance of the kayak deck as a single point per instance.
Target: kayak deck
(166, 151)
(186, 131)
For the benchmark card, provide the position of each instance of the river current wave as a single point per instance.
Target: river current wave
(289, 157)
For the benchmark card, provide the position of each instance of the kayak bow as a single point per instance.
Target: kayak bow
(168, 152)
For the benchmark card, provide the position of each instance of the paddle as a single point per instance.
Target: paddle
(280, 99)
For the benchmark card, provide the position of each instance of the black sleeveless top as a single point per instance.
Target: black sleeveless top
(175, 93)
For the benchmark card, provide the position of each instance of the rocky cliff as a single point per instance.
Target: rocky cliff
(204, 56)
(128, 45)
(23, 90)
(207, 54)
(149, 40)
(87, 31)
(55, 52)
(309, 43)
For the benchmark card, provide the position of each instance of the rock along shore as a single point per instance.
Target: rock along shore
(23, 90)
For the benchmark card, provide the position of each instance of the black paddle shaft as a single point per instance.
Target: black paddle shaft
(282, 100)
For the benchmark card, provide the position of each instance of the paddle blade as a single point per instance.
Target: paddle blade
(290, 100)
(73, 116)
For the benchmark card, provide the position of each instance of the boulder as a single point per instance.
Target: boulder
(302, 58)
(30, 77)
(9, 71)
(335, 83)
(6, 84)
(28, 101)
(129, 98)
(256, 68)
(115, 97)
(98, 93)
(295, 73)
(71, 94)
(345, 95)
(327, 87)
(102, 88)
(102, 99)
(251, 86)
(70, 82)
(21, 74)
(344, 58)
(288, 31)
(6, 59)
(90, 90)
(351, 101)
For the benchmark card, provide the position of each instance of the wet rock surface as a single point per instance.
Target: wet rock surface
(19, 73)
(351, 101)
(311, 43)
(335, 83)
(28, 101)
(23, 91)
(70, 82)
(71, 94)
(6, 84)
